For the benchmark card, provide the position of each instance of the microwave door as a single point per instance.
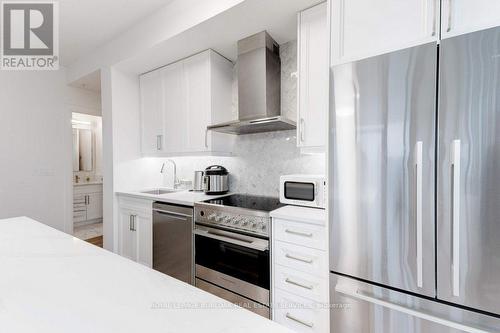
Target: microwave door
(382, 148)
(301, 191)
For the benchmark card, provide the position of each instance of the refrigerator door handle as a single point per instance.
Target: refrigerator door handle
(455, 217)
(418, 211)
(356, 293)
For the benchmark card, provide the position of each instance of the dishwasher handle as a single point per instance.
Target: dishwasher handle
(178, 216)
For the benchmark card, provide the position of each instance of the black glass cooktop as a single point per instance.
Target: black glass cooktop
(266, 204)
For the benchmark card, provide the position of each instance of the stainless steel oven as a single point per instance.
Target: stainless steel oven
(228, 262)
(232, 257)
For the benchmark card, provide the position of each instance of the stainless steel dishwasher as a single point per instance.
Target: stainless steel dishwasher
(173, 241)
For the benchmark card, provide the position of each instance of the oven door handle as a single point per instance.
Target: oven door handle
(229, 237)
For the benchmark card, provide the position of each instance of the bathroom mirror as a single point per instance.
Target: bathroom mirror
(82, 150)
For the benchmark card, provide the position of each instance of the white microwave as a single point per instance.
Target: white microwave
(303, 190)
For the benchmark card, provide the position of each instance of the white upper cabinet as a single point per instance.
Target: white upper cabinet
(463, 16)
(312, 77)
(361, 28)
(194, 93)
(173, 108)
(151, 113)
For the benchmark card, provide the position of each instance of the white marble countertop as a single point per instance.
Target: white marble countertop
(302, 214)
(52, 282)
(183, 197)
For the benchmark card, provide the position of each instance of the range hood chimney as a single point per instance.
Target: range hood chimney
(259, 88)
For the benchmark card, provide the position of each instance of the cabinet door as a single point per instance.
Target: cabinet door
(126, 235)
(197, 87)
(143, 227)
(463, 16)
(174, 108)
(313, 77)
(361, 29)
(151, 113)
(94, 206)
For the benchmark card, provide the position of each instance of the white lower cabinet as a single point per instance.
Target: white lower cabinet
(300, 273)
(300, 314)
(87, 203)
(135, 230)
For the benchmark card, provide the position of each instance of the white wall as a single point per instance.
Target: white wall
(83, 101)
(123, 165)
(35, 146)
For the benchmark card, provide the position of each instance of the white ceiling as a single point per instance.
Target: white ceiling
(221, 33)
(87, 24)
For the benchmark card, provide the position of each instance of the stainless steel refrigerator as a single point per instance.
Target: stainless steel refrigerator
(415, 189)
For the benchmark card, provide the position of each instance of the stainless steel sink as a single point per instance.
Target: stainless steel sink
(158, 191)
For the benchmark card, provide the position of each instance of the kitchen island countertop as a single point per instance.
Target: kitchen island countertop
(53, 282)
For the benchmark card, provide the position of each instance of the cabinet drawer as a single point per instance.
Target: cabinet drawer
(301, 284)
(301, 258)
(300, 314)
(309, 235)
(79, 216)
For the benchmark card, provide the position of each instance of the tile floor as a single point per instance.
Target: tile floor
(88, 231)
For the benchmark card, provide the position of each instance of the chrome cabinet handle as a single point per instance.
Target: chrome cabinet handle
(435, 12)
(158, 142)
(132, 220)
(298, 233)
(307, 261)
(298, 284)
(455, 217)
(206, 137)
(302, 129)
(88, 199)
(449, 15)
(305, 323)
(418, 211)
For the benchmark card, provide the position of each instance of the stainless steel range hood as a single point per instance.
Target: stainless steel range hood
(259, 87)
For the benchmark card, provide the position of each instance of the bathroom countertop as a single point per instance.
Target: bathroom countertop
(88, 183)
